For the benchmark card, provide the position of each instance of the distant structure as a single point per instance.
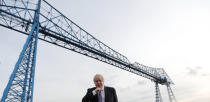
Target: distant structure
(40, 20)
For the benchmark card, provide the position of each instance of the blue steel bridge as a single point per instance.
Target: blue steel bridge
(39, 20)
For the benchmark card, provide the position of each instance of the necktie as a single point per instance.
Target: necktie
(99, 97)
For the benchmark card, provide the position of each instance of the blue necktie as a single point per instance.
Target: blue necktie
(99, 97)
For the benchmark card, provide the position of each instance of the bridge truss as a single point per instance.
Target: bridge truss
(40, 20)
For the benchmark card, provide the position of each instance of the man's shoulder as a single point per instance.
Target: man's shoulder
(91, 89)
(108, 87)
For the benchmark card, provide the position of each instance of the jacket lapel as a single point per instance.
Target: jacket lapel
(95, 97)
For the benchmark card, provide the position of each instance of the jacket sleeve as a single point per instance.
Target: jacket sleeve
(115, 96)
(89, 96)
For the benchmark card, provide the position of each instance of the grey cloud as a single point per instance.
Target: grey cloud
(134, 100)
(113, 77)
(192, 71)
(140, 98)
(139, 83)
(142, 82)
(205, 74)
(124, 89)
(145, 97)
(198, 67)
(196, 71)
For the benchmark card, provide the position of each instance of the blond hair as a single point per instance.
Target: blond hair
(97, 76)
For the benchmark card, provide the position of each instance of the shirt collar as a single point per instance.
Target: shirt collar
(103, 88)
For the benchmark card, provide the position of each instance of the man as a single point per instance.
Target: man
(100, 93)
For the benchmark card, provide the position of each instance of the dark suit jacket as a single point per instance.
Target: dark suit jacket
(110, 95)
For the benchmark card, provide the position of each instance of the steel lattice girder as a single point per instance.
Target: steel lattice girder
(57, 29)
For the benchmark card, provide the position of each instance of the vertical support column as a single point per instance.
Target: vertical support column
(0, 5)
(21, 82)
(170, 93)
(158, 97)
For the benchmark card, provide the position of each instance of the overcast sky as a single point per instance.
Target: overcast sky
(169, 34)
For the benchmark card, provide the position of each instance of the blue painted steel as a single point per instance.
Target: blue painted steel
(171, 95)
(36, 19)
(21, 82)
(26, 76)
(158, 96)
(12, 77)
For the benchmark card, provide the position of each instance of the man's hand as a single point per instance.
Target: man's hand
(98, 90)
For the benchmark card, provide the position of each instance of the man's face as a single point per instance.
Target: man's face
(99, 82)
